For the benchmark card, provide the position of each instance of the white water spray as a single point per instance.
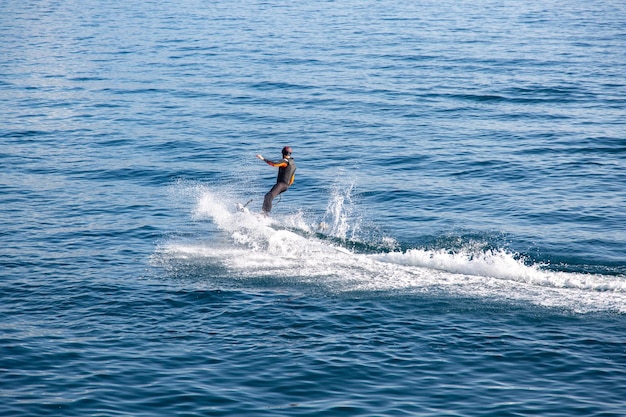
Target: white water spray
(260, 247)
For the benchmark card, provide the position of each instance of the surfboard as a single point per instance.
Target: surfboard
(244, 207)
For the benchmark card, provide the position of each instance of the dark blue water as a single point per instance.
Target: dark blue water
(454, 243)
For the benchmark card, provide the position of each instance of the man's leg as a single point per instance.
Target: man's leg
(271, 195)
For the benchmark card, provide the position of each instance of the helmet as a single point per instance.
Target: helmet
(287, 150)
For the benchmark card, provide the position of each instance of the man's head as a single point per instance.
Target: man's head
(287, 151)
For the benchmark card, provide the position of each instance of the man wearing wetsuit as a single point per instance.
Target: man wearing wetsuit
(286, 174)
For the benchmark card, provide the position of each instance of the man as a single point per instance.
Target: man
(286, 174)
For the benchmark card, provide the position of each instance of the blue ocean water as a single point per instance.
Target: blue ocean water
(454, 243)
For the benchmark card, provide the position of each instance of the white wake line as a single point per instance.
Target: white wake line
(280, 247)
(340, 272)
(259, 250)
(502, 265)
(257, 234)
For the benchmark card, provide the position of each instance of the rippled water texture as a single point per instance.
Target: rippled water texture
(454, 243)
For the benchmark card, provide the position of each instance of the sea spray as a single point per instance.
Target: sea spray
(502, 265)
(287, 250)
(339, 218)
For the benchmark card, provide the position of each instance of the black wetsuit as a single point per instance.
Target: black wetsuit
(286, 174)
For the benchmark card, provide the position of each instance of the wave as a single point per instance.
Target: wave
(502, 265)
(294, 250)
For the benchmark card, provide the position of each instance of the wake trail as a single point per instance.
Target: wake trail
(291, 247)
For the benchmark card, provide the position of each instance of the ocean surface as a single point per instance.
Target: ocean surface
(454, 243)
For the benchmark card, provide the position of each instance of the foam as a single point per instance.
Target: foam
(502, 265)
(260, 247)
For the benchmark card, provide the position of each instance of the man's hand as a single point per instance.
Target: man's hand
(260, 157)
